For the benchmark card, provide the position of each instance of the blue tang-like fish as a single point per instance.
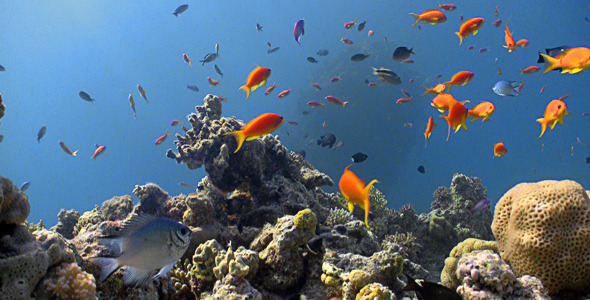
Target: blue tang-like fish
(506, 88)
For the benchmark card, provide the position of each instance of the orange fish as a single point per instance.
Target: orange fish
(370, 33)
(437, 89)
(256, 79)
(483, 110)
(530, 70)
(259, 126)
(349, 25)
(553, 114)
(99, 150)
(285, 93)
(335, 101)
(444, 101)
(572, 60)
(460, 78)
(428, 131)
(212, 82)
(456, 117)
(522, 43)
(270, 89)
(510, 44)
(162, 138)
(403, 100)
(186, 59)
(432, 16)
(355, 192)
(500, 149)
(468, 27)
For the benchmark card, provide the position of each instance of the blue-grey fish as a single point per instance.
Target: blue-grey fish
(147, 245)
(359, 57)
(387, 75)
(2, 69)
(209, 58)
(85, 96)
(258, 27)
(218, 70)
(312, 60)
(362, 25)
(273, 50)
(41, 133)
(193, 88)
(217, 49)
(506, 88)
(323, 52)
(1, 138)
(402, 53)
(179, 10)
(25, 186)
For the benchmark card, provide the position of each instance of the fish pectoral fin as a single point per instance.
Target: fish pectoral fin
(164, 270)
(350, 206)
(107, 265)
(475, 32)
(135, 276)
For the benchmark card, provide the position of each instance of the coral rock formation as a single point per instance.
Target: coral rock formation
(117, 208)
(14, 204)
(67, 220)
(448, 276)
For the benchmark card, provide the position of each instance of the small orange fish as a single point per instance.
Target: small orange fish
(447, 7)
(456, 117)
(443, 102)
(510, 44)
(468, 27)
(428, 131)
(522, 43)
(370, 33)
(432, 16)
(212, 82)
(335, 101)
(162, 138)
(572, 61)
(325, 125)
(460, 78)
(542, 90)
(346, 41)
(530, 70)
(355, 192)
(258, 127)
(270, 89)
(284, 93)
(186, 59)
(403, 100)
(75, 153)
(483, 110)
(349, 25)
(554, 113)
(256, 79)
(499, 149)
(437, 89)
(99, 150)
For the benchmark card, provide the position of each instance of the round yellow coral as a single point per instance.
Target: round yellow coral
(543, 230)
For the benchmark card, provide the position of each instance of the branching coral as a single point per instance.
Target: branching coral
(70, 282)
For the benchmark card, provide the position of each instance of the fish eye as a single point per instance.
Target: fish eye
(183, 231)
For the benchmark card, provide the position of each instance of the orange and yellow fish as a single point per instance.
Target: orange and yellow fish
(67, 150)
(437, 89)
(554, 113)
(444, 101)
(284, 93)
(572, 60)
(162, 138)
(522, 43)
(258, 127)
(99, 150)
(428, 131)
(432, 16)
(456, 118)
(483, 110)
(256, 79)
(499, 149)
(468, 27)
(530, 70)
(186, 59)
(355, 192)
(510, 43)
(460, 78)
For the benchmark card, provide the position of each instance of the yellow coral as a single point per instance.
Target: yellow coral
(448, 275)
(373, 291)
(305, 219)
(70, 282)
(543, 230)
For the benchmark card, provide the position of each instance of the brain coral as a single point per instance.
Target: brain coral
(543, 229)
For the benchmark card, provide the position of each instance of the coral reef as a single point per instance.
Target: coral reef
(151, 197)
(448, 276)
(66, 221)
(375, 291)
(338, 216)
(68, 281)
(87, 219)
(117, 208)
(543, 230)
(14, 204)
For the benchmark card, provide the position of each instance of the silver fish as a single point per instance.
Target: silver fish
(218, 70)
(85, 96)
(273, 50)
(258, 27)
(209, 58)
(217, 49)
(179, 10)
(506, 88)
(2, 69)
(323, 52)
(41, 133)
(25, 186)
(387, 75)
(193, 88)
(147, 245)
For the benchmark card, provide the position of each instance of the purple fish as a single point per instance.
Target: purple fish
(481, 205)
(298, 31)
(586, 114)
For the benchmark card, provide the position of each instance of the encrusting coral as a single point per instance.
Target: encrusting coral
(67, 220)
(543, 230)
(68, 281)
(117, 208)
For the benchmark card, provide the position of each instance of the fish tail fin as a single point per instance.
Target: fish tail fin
(247, 89)
(460, 37)
(344, 104)
(107, 265)
(448, 121)
(543, 123)
(411, 285)
(240, 138)
(550, 63)
(175, 14)
(75, 153)
(417, 18)
(367, 201)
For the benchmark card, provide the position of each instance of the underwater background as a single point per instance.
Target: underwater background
(53, 50)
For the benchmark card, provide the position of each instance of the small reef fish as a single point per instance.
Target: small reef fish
(218, 70)
(432, 16)
(187, 59)
(530, 70)
(427, 290)
(460, 78)
(421, 169)
(256, 79)
(325, 125)
(323, 52)
(359, 57)
(147, 244)
(388, 76)
(362, 25)
(142, 93)
(483, 110)
(180, 9)
(336, 101)
(85, 96)
(359, 157)
(174, 123)
(182, 183)
(572, 60)
(209, 57)
(314, 104)
(284, 93)
(270, 89)
(193, 88)
(293, 123)
(1, 138)
(554, 113)
(258, 27)
(355, 192)
(443, 101)
(370, 33)
(212, 82)
(403, 100)
(497, 23)
(483, 50)
(98, 151)
(312, 60)
(273, 50)
(496, 13)
(499, 149)
(371, 84)
(132, 104)
(408, 61)
(349, 25)
(522, 43)
(408, 125)
(470, 26)
(327, 140)
(470, 47)
(402, 53)
(542, 90)
(456, 118)
(335, 79)
(447, 7)
(437, 89)
(67, 150)
(24, 186)
(406, 93)
(428, 131)
(162, 138)
(481, 205)
(258, 127)
(316, 86)
(510, 44)
(346, 41)
(299, 30)
(41, 133)
(506, 88)
(339, 145)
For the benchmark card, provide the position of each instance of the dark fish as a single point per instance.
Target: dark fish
(327, 140)
(312, 60)
(240, 226)
(179, 10)
(208, 58)
(359, 57)
(588, 160)
(429, 290)
(25, 186)
(41, 133)
(421, 169)
(218, 70)
(553, 52)
(193, 88)
(315, 244)
(1, 138)
(85, 96)
(323, 52)
(2, 69)
(301, 152)
(402, 53)
(305, 113)
(359, 157)
(258, 27)
(273, 50)
(362, 25)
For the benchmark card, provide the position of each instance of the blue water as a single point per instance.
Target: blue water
(53, 49)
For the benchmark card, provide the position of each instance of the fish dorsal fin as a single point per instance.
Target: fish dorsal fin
(412, 285)
(134, 223)
(96, 145)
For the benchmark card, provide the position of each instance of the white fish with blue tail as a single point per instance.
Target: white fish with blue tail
(147, 246)
(506, 88)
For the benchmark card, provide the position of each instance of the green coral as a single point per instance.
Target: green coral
(338, 216)
(239, 263)
(405, 240)
(204, 261)
(439, 227)
(305, 220)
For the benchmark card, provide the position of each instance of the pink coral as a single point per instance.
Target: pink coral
(70, 282)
